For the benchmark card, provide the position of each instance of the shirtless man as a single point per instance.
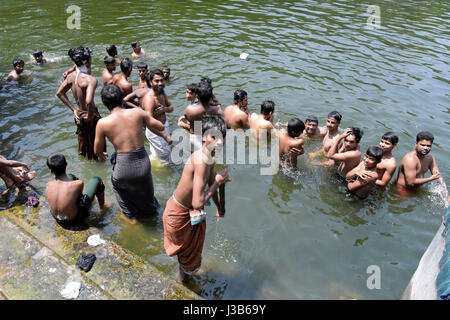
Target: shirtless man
(134, 99)
(348, 154)
(14, 172)
(83, 88)
(110, 66)
(184, 215)
(387, 166)
(290, 143)
(312, 129)
(138, 51)
(156, 104)
(142, 70)
(415, 164)
(236, 116)
(191, 96)
(213, 106)
(18, 65)
(68, 205)
(263, 121)
(131, 179)
(121, 79)
(39, 57)
(363, 177)
(333, 121)
(111, 50)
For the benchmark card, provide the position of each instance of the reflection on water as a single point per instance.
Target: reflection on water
(287, 236)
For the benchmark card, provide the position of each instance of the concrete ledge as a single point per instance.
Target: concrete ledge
(117, 273)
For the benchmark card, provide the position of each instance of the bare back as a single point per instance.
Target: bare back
(122, 82)
(62, 198)
(258, 123)
(286, 144)
(235, 118)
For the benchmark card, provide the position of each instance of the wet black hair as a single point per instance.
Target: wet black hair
(134, 43)
(142, 65)
(112, 96)
(424, 135)
(295, 125)
(214, 122)
(312, 118)
(17, 62)
(204, 93)
(206, 79)
(109, 60)
(239, 95)
(390, 136)
(375, 152)
(80, 55)
(192, 87)
(37, 52)
(155, 72)
(336, 115)
(111, 50)
(57, 163)
(165, 67)
(126, 65)
(267, 107)
(357, 132)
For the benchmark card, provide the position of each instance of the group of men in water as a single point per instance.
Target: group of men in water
(132, 109)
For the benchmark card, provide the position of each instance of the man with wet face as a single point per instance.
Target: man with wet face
(312, 129)
(110, 66)
(156, 104)
(348, 154)
(333, 120)
(363, 178)
(18, 65)
(39, 57)
(416, 163)
(387, 165)
(142, 70)
(166, 73)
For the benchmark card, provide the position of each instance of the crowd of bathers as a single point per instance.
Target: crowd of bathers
(132, 108)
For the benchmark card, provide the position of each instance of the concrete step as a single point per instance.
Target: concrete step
(38, 256)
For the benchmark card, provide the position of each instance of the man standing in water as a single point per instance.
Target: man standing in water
(142, 70)
(83, 87)
(348, 154)
(184, 216)
(290, 143)
(138, 51)
(131, 179)
(263, 121)
(236, 116)
(416, 163)
(387, 166)
(156, 104)
(312, 129)
(332, 132)
(110, 66)
(121, 79)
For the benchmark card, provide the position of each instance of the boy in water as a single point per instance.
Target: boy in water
(348, 154)
(312, 129)
(138, 51)
(39, 57)
(18, 65)
(416, 163)
(110, 66)
(111, 50)
(69, 206)
(363, 178)
(236, 115)
(184, 216)
(387, 165)
(290, 143)
(142, 70)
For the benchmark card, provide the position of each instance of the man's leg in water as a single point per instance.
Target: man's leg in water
(95, 187)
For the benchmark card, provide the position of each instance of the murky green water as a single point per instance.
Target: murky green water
(284, 237)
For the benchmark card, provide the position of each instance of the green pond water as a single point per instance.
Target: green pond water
(285, 236)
